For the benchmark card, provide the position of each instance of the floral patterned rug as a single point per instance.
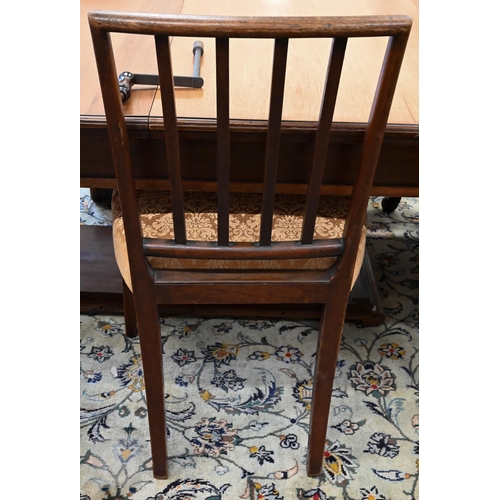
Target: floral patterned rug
(239, 391)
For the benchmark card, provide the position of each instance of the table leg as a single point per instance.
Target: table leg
(389, 204)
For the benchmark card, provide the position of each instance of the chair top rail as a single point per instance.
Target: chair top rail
(250, 27)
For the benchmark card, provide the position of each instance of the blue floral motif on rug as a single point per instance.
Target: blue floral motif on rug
(239, 393)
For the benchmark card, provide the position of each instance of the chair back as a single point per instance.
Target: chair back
(281, 30)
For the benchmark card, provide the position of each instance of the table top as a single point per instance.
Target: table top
(251, 62)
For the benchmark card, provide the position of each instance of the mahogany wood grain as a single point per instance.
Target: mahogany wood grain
(321, 142)
(171, 136)
(155, 247)
(223, 140)
(330, 287)
(397, 171)
(273, 139)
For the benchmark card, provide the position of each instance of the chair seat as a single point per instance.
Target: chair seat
(244, 225)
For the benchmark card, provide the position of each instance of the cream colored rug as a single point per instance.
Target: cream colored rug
(238, 396)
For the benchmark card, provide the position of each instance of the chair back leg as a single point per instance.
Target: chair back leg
(148, 321)
(129, 312)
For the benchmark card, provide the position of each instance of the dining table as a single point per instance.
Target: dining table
(397, 172)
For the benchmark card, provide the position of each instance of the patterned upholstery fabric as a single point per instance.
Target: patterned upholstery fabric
(201, 225)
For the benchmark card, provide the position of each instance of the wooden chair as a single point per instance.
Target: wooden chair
(150, 263)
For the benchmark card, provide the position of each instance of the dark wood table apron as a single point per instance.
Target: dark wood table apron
(397, 172)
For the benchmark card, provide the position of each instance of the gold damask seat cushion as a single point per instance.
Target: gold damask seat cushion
(244, 225)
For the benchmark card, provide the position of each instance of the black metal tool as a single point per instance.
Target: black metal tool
(126, 79)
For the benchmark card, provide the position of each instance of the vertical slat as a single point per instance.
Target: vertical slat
(322, 137)
(273, 139)
(171, 135)
(222, 73)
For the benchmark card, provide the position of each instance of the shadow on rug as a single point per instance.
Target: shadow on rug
(239, 393)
